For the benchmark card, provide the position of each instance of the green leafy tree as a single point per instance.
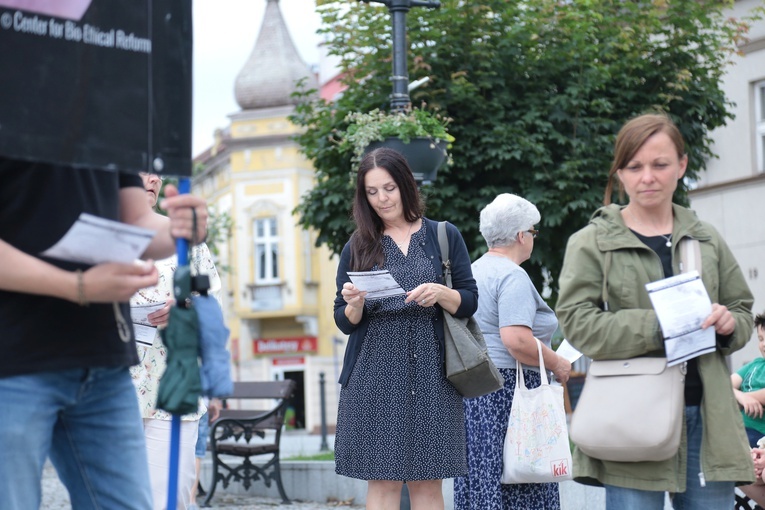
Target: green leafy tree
(537, 91)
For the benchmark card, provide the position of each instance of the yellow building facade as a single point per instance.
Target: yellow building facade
(278, 287)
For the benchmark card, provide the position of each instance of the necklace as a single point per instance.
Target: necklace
(406, 239)
(668, 238)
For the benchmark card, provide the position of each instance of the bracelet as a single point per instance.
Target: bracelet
(81, 289)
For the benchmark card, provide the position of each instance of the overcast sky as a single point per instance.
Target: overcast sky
(224, 35)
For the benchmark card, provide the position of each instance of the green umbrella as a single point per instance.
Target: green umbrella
(180, 385)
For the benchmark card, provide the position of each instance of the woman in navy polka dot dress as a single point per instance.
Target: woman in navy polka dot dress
(399, 419)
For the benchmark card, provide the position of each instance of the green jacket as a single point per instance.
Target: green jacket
(630, 328)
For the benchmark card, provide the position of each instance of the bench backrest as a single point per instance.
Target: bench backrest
(263, 389)
(267, 391)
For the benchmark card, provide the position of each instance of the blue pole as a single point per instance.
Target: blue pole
(172, 482)
(182, 249)
(182, 245)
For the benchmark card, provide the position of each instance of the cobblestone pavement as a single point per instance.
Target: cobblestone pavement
(55, 497)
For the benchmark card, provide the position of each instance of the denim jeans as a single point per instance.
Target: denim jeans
(200, 450)
(753, 436)
(713, 496)
(87, 421)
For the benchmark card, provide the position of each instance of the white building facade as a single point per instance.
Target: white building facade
(730, 194)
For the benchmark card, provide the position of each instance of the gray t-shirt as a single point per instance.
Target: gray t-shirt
(506, 297)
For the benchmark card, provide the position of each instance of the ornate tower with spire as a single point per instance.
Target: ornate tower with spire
(279, 286)
(274, 68)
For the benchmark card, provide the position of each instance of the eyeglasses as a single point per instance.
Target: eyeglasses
(534, 232)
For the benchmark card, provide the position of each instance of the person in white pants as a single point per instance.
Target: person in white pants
(146, 375)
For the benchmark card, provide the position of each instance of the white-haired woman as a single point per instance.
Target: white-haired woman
(510, 313)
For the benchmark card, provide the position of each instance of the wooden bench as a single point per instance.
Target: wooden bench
(242, 434)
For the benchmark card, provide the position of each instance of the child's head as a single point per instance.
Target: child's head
(759, 327)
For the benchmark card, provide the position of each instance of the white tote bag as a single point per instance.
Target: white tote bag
(536, 448)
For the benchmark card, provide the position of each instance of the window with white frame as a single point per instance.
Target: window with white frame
(266, 238)
(759, 119)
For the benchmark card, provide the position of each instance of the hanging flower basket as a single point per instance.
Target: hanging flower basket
(420, 135)
(424, 155)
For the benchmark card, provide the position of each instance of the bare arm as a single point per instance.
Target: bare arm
(751, 402)
(521, 343)
(758, 395)
(135, 210)
(103, 283)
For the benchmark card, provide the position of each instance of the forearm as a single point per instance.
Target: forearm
(522, 345)
(135, 210)
(178, 224)
(758, 395)
(449, 299)
(24, 273)
(596, 334)
(162, 244)
(353, 314)
(551, 359)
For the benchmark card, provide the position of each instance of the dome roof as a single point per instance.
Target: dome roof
(270, 75)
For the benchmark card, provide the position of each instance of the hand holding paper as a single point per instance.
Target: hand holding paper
(161, 317)
(106, 283)
(143, 314)
(93, 240)
(723, 321)
(683, 306)
(377, 284)
(352, 295)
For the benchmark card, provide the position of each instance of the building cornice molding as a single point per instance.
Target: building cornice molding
(752, 46)
(259, 142)
(262, 113)
(727, 185)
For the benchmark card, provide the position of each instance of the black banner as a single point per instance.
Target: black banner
(97, 83)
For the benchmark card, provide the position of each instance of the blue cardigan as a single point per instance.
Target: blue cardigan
(462, 281)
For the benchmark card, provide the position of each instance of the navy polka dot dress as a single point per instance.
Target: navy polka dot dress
(398, 417)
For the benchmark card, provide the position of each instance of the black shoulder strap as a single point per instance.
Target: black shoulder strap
(443, 242)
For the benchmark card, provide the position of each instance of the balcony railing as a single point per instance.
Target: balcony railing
(265, 296)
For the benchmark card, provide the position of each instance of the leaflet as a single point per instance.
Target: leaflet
(682, 304)
(144, 334)
(94, 240)
(567, 351)
(377, 284)
(140, 314)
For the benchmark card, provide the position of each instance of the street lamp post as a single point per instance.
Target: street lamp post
(399, 100)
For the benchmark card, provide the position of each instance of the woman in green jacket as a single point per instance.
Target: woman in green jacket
(639, 244)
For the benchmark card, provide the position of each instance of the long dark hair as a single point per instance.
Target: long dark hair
(366, 249)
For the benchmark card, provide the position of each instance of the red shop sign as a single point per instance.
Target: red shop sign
(291, 345)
